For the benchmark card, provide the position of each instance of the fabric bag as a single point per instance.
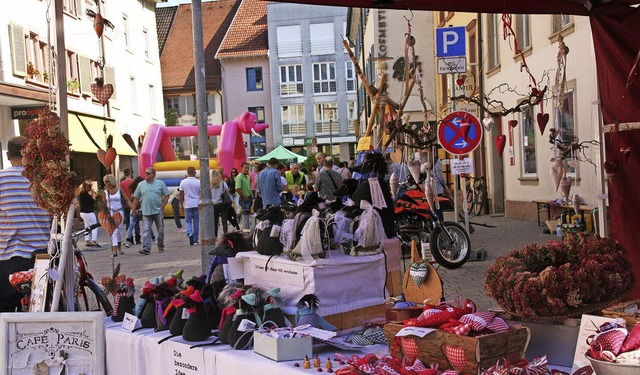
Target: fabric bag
(226, 199)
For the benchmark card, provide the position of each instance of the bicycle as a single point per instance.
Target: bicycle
(96, 300)
(476, 195)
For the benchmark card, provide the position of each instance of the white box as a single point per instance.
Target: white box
(282, 349)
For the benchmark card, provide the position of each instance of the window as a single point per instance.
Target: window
(528, 127)
(352, 114)
(257, 144)
(125, 31)
(293, 120)
(254, 79)
(494, 39)
(72, 66)
(523, 31)
(147, 53)
(326, 120)
(350, 72)
(152, 100)
(289, 39)
(566, 128)
(37, 54)
(70, 7)
(258, 148)
(472, 31)
(324, 78)
(259, 112)
(134, 94)
(171, 104)
(291, 80)
(560, 22)
(322, 39)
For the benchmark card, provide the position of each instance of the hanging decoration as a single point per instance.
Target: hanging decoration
(501, 141)
(99, 22)
(107, 158)
(101, 91)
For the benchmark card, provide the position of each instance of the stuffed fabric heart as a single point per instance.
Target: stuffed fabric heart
(556, 171)
(433, 318)
(498, 325)
(109, 222)
(477, 323)
(632, 342)
(102, 93)
(107, 158)
(610, 340)
(376, 335)
(501, 141)
(418, 272)
(487, 316)
(456, 356)
(543, 119)
(456, 327)
(409, 347)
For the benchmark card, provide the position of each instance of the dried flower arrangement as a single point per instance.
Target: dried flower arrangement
(561, 278)
(46, 164)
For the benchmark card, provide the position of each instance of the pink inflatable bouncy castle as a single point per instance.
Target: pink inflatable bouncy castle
(157, 147)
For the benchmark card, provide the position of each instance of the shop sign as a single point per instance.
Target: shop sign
(25, 113)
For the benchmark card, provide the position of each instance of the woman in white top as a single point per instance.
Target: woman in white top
(112, 198)
(220, 207)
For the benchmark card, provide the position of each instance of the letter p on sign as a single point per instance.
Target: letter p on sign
(451, 42)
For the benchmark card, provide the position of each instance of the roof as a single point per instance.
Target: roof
(164, 18)
(176, 59)
(248, 34)
(282, 154)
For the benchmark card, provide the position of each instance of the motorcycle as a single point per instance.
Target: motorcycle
(449, 242)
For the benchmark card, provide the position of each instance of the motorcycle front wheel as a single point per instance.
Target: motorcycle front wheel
(450, 253)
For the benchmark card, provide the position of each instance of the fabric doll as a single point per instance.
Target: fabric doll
(238, 339)
(197, 327)
(306, 313)
(271, 310)
(124, 301)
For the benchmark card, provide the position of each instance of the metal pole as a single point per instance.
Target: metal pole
(331, 136)
(61, 62)
(205, 208)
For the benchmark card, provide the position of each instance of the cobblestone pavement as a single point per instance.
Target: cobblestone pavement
(467, 281)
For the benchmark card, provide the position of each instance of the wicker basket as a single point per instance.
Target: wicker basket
(619, 311)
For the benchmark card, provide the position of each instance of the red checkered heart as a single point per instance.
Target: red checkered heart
(450, 372)
(498, 325)
(102, 93)
(417, 366)
(409, 347)
(386, 369)
(456, 356)
(486, 315)
(462, 329)
(610, 340)
(477, 323)
(367, 368)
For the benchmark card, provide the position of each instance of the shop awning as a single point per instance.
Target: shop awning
(86, 134)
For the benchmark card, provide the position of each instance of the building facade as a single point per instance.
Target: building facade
(130, 63)
(313, 89)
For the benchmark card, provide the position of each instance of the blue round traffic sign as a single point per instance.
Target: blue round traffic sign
(460, 133)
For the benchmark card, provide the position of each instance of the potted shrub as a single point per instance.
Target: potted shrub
(31, 70)
(73, 85)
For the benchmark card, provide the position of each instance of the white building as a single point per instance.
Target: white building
(131, 65)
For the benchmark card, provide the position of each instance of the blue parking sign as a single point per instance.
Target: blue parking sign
(451, 41)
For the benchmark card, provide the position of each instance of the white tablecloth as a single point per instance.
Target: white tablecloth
(139, 353)
(341, 282)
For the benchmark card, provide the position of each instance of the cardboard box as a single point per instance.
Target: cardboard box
(481, 352)
(282, 349)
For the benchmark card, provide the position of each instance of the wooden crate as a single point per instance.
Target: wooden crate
(481, 352)
(350, 319)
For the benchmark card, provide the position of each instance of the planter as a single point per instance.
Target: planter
(608, 368)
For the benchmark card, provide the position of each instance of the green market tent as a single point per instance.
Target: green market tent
(282, 154)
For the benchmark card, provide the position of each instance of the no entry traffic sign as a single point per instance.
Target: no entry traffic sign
(460, 133)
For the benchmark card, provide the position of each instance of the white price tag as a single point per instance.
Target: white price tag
(185, 314)
(377, 198)
(414, 331)
(275, 231)
(131, 322)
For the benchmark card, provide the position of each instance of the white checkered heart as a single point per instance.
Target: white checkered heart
(418, 272)
(486, 315)
(477, 323)
(498, 325)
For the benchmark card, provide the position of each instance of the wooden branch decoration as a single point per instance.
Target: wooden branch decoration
(372, 117)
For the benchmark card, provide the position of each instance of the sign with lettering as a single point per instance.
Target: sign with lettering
(72, 343)
(130, 322)
(460, 166)
(277, 272)
(25, 113)
(183, 361)
(451, 41)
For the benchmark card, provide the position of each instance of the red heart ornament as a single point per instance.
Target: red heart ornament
(632, 342)
(543, 119)
(107, 158)
(610, 169)
(626, 152)
(464, 127)
(110, 223)
(460, 81)
(102, 93)
(610, 340)
(501, 141)
(456, 356)
(513, 123)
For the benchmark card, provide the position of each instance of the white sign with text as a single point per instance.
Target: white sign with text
(182, 360)
(130, 322)
(460, 166)
(277, 272)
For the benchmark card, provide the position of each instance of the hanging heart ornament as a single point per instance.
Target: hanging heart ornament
(556, 171)
(513, 123)
(543, 119)
(102, 92)
(107, 158)
(487, 123)
(418, 272)
(501, 141)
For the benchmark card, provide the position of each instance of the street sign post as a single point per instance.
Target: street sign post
(451, 41)
(452, 65)
(460, 133)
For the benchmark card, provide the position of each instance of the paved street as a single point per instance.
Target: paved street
(467, 281)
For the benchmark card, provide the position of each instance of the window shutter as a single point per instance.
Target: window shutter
(84, 68)
(110, 77)
(18, 50)
(251, 79)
